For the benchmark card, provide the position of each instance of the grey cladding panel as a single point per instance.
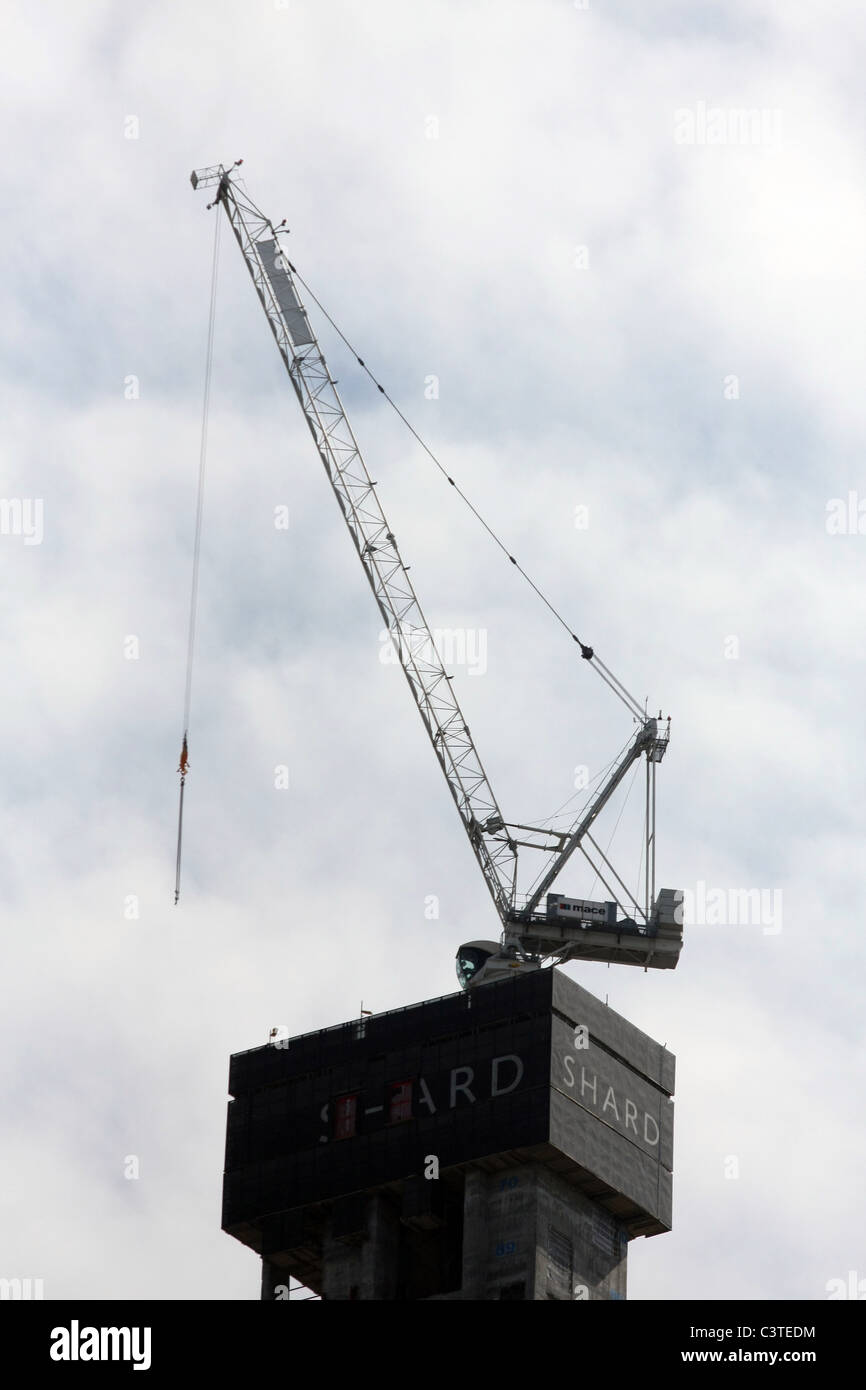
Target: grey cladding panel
(296, 319)
(623, 1104)
(640, 1051)
(620, 1164)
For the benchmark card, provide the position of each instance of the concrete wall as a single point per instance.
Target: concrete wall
(528, 1234)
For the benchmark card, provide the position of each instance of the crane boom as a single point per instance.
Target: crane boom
(373, 538)
(571, 927)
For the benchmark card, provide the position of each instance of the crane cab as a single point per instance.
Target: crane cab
(483, 962)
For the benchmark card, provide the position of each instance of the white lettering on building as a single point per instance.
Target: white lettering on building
(610, 1105)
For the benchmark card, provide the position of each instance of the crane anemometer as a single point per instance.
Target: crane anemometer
(632, 927)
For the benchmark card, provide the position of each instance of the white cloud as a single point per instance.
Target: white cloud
(560, 385)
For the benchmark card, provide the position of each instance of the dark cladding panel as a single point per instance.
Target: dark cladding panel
(464, 1078)
(460, 1078)
(510, 1002)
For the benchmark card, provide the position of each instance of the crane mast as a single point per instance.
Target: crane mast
(647, 935)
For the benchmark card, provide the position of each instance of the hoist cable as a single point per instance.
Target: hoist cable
(183, 765)
(616, 827)
(585, 792)
(586, 651)
(577, 819)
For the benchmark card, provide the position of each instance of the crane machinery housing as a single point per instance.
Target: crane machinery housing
(631, 927)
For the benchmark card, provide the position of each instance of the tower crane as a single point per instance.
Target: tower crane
(630, 928)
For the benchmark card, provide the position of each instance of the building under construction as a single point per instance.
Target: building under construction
(508, 1141)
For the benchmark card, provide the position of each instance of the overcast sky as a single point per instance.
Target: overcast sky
(636, 301)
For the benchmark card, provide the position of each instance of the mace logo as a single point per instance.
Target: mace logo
(75, 1343)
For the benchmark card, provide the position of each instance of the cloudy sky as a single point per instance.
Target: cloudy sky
(636, 301)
